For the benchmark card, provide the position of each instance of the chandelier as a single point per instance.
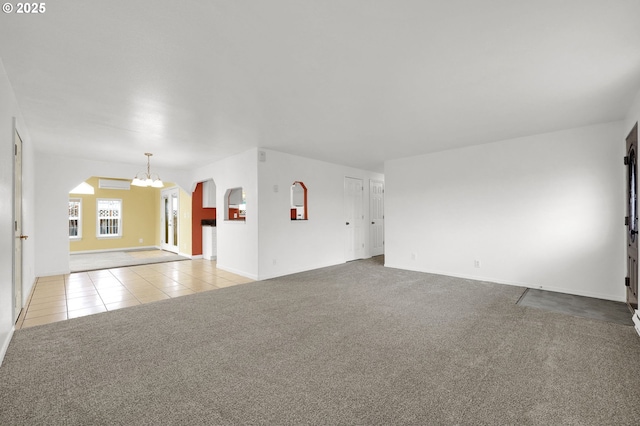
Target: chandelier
(147, 179)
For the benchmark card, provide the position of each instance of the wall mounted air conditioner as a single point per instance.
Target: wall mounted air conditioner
(114, 184)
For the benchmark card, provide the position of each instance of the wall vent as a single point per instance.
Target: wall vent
(114, 184)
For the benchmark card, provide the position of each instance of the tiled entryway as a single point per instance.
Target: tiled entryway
(61, 297)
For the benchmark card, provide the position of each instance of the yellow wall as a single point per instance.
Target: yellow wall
(140, 218)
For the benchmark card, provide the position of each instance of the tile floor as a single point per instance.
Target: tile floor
(61, 297)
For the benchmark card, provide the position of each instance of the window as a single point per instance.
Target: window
(236, 204)
(299, 201)
(75, 218)
(109, 214)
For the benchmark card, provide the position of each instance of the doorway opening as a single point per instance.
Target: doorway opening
(376, 216)
(19, 237)
(354, 219)
(170, 214)
(112, 223)
(203, 220)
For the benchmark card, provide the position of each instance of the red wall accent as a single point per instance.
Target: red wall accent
(197, 214)
(234, 214)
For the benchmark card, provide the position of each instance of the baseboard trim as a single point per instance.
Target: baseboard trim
(51, 273)
(5, 344)
(556, 289)
(116, 249)
(298, 270)
(237, 272)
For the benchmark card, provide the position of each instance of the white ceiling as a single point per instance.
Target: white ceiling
(354, 82)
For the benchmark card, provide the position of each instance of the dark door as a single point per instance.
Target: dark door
(632, 219)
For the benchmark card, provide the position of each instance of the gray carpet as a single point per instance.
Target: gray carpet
(350, 344)
(81, 262)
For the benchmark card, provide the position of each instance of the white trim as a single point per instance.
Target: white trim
(5, 344)
(137, 248)
(14, 240)
(556, 289)
(228, 203)
(120, 219)
(50, 274)
(79, 218)
(168, 193)
(298, 270)
(237, 272)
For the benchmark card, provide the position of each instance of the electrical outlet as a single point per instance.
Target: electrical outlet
(140, 240)
(414, 256)
(274, 262)
(476, 263)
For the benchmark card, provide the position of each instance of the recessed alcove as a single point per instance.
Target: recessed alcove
(235, 204)
(299, 208)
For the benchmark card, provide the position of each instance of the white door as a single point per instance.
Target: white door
(376, 215)
(19, 238)
(354, 218)
(170, 213)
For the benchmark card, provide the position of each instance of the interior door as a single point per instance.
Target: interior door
(19, 238)
(631, 161)
(354, 218)
(169, 223)
(376, 215)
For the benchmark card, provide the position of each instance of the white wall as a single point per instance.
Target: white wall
(250, 248)
(55, 177)
(633, 115)
(303, 245)
(237, 241)
(8, 111)
(543, 211)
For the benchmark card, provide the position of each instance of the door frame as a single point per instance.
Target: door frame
(357, 227)
(18, 240)
(375, 222)
(165, 245)
(631, 218)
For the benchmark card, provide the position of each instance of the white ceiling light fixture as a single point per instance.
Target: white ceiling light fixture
(147, 179)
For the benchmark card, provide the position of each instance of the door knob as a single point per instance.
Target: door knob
(23, 237)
